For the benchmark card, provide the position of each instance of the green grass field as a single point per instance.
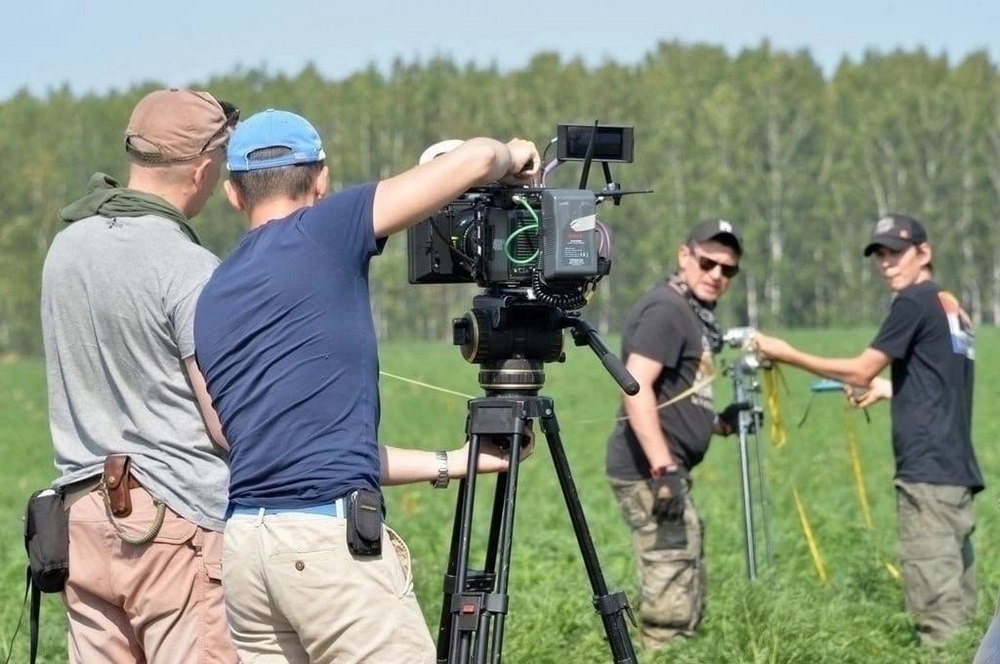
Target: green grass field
(786, 615)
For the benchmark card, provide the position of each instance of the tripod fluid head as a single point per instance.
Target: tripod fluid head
(512, 337)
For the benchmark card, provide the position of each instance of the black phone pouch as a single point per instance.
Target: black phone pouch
(364, 523)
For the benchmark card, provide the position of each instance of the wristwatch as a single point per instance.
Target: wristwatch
(442, 479)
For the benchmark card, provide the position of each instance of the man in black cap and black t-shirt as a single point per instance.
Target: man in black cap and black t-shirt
(668, 344)
(928, 340)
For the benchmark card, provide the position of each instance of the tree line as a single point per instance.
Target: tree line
(802, 163)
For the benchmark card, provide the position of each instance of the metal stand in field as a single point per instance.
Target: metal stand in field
(511, 341)
(753, 481)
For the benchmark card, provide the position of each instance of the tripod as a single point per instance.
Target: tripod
(745, 389)
(511, 340)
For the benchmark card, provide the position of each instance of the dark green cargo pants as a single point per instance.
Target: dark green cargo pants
(935, 549)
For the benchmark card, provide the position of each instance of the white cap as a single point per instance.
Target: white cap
(439, 149)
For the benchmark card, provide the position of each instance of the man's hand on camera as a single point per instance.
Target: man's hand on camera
(729, 418)
(669, 491)
(525, 162)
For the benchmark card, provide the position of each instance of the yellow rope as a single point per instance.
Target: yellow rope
(669, 402)
(817, 557)
(427, 385)
(694, 389)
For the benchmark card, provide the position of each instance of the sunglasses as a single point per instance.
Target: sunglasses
(232, 114)
(706, 264)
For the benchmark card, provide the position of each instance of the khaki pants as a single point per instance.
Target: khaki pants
(670, 563)
(159, 602)
(935, 549)
(294, 593)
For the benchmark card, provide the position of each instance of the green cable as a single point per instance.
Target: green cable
(513, 236)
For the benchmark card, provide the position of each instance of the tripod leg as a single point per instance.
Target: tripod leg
(610, 606)
(454, 635)
(749, 532)
(450, 585)
(747, 421)
(476, 600)
(497, 603)
(765, 502)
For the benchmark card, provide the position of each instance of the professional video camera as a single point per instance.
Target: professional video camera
(537, 252)
(543, 243)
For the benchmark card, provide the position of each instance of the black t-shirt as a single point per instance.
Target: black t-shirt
(662, 327)
(931, 342)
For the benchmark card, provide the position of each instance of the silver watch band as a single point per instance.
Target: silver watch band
(442, 479)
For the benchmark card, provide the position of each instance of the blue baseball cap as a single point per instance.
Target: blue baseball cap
(273, 129)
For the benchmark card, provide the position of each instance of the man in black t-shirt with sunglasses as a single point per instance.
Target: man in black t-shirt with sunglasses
(668, 344)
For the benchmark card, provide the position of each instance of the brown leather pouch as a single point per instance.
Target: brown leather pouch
(117, 482)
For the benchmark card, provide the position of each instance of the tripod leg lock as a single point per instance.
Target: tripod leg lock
(614, 604)
(467, 608)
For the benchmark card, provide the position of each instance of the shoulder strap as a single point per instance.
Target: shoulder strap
(35, 601)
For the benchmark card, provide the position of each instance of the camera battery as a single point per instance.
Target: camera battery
(569, 237)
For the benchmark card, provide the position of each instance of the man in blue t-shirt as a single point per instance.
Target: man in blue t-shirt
(285, 340)
(928, 340)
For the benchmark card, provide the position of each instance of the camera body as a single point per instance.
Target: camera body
(544, 242)
(502, 236)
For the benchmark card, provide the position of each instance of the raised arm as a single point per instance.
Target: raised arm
(412, 196)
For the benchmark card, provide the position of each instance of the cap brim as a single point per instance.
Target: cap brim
(889, 241)
(730, 239)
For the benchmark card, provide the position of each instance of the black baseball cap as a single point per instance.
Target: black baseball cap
(717, 229)
(897, 232)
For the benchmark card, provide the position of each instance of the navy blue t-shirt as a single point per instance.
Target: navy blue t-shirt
(285, 339)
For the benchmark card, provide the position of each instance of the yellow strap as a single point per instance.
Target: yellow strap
(859, 485)
(772, 377)
(859, 476)
(817, 557)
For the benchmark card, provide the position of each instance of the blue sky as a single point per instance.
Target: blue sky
(100, 45)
